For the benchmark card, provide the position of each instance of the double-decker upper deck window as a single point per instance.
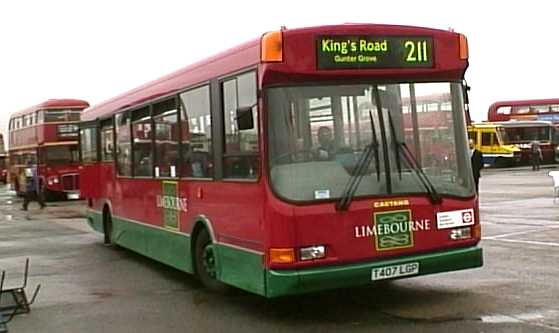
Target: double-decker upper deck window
(73, 115)
(27, 120)
(142, 133)
(165, 119)
(54, 116)
(123, 148)
(240, 118)
(196, 133)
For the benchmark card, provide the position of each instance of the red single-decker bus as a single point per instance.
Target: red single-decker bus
(293, 163)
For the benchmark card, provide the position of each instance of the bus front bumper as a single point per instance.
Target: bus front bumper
(290, 282)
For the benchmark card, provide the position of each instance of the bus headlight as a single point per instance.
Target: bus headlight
(461, 233)
(53, 180)
(312, 252)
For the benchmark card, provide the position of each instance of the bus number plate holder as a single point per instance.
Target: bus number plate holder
(394, 271)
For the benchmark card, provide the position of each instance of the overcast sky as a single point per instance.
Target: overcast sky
(94, 50)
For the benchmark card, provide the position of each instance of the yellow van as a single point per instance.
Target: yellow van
(489, 139)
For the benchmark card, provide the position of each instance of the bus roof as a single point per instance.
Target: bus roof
(486, 125)
(493, 114)
(53, 104)
(525, 102)
(247, 55)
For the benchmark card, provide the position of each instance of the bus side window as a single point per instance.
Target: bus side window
(196, 133)
(123, 151)
(166, 138)
(486, 139)
(240, 158)
(142, 133)
(88, 142)
(107, 140)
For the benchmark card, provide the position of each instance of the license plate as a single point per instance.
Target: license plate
(394, 271)
(73, 195)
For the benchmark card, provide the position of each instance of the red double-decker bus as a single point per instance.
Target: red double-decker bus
(530, 109)
(529, 120)
(287, 164)
(46, 135)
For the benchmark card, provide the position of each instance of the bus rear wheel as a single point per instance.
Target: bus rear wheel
(206, 263)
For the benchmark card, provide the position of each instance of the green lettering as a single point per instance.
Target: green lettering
(326, 45)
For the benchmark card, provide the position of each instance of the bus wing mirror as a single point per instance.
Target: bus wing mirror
(244, 118)
(466, 93)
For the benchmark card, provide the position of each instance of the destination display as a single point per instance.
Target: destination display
(346, 52)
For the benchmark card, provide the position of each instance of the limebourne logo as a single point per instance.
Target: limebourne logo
(396, 231)
(171, 203)
(174, 203)
(392, 229)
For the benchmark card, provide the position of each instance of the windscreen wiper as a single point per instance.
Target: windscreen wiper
(374, 142)
(396, 143)
(358, 171)
(402, 148)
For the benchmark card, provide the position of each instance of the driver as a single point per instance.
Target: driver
(326, 149)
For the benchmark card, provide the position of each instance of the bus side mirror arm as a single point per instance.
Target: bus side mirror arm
(467, 88)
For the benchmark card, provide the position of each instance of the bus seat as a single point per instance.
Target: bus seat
(555, 176)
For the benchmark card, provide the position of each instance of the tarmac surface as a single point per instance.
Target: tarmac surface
(88, 287)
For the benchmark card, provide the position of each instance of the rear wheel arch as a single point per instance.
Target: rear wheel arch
(205, 257)
(201, 224)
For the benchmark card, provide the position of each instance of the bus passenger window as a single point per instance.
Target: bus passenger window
(166, 138)
(240, 158)
(107, 145)
(124, 149)
(142, 134)
(486, 139)
(196, 133)
(88, 142)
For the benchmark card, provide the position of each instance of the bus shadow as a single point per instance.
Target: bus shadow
(400, 300)
(403, 300)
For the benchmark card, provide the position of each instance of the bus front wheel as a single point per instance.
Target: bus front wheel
(206, 263)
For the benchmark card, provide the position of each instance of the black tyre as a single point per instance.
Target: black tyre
(206, 263)
(107, 228)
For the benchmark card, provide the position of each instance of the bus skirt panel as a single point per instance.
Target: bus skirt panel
(236, 266)
(289, 282)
